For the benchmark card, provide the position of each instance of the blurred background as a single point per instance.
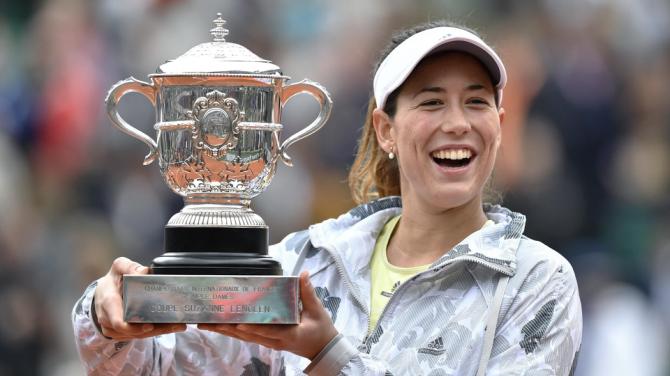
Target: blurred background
(585, 155)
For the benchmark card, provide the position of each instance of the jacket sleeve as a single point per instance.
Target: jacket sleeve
(340, 357)
(541, 331)
(190, 352)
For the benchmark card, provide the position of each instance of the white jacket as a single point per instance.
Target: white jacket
(433, 324)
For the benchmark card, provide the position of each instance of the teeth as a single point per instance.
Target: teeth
(453, 154)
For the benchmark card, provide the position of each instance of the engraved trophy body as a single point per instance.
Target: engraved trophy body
(218, 110)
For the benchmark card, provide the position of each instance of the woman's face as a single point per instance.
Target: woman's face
(445, 133)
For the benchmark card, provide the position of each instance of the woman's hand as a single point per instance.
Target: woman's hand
(306, 339)
(108, 305)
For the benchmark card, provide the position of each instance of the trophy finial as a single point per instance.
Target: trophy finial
(219, 32)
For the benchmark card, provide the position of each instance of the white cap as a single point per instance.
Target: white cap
(400, 63)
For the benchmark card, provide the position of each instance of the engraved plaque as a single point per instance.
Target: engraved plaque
(211, 299)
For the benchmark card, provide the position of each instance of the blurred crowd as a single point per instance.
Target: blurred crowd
(585, 155)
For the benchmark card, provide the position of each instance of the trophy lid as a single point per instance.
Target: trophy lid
(219, 57)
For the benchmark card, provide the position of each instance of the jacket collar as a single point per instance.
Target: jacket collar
(352, 236)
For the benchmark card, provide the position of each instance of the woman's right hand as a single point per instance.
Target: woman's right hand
(108, 305)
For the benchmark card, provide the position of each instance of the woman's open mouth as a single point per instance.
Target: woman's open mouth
(453, 158)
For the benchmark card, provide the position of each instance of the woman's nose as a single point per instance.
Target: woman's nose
(455, 121)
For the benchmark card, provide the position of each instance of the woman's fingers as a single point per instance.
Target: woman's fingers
(157, 329)
(234, 331)
(267, 331)
(164, 329)
(110, 318)
(275, 331)
(109, 305)
(123, 265)
(310, 302)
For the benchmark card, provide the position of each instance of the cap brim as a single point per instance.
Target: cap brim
(465, 46)
(400, 63)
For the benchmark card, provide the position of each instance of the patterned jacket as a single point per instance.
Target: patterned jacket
(432, 325)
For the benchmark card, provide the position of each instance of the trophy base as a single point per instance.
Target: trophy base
(213, 275)
(215, 263)
(216, 250)
(203, 299)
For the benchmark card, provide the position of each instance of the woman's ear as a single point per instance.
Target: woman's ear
(382, 124)
(501, 118)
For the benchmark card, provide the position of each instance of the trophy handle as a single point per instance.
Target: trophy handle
(321, 95)
(132, 85)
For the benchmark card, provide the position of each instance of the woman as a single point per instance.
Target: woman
(444, 285)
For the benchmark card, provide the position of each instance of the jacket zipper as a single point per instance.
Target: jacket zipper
(354, 291)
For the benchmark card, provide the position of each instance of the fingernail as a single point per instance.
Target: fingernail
(147, 327)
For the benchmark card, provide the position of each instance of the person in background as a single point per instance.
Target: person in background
(424, 277)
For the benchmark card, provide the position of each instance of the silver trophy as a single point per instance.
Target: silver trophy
(218, 109)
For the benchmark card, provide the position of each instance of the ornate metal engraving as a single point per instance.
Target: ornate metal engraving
(216, 123)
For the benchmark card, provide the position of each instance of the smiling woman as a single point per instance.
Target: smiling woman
(424, 277)
(445, 111)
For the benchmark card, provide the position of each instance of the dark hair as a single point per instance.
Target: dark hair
(373, 174)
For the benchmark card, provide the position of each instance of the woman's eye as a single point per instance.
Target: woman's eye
(431, 102)
(478, 101)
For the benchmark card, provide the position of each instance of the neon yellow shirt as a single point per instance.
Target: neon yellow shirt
(385, 277)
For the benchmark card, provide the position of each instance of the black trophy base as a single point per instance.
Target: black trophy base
(216, 251)
(215, 263)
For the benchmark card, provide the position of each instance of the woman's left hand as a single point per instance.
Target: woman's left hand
(306, 339)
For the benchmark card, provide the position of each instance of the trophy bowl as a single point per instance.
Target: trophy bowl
(218, 140)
